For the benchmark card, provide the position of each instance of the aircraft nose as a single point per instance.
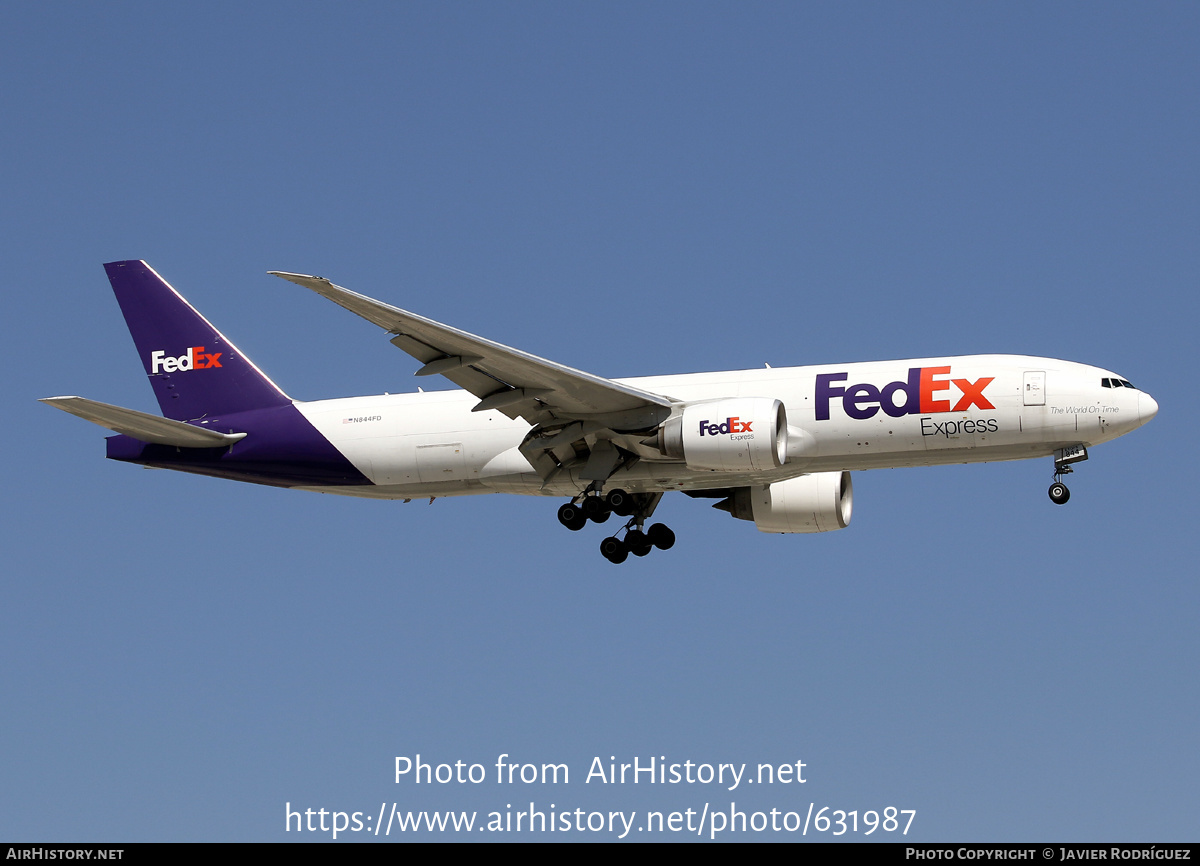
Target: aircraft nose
(1147, 407)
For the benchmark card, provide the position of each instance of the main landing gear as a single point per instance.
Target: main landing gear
(1063, 458)
(636, 541)
(637, 507)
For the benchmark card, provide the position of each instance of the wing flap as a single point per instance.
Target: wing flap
(142, 426)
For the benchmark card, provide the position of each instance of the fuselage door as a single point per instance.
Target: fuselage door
(1034, 391)
(441, 462)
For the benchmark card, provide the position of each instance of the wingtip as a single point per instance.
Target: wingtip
(65, 403)
(298, 279)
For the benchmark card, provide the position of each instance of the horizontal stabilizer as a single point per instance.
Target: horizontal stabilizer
(142, 426)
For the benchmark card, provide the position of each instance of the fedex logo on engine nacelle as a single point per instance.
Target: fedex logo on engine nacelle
(730, 425)
(921, 394)
(193, 359)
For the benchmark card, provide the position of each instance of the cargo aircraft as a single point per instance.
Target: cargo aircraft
(775, 446)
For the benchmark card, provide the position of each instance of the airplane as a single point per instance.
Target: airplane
(774, 446)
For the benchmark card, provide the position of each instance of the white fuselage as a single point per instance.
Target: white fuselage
(432, 444)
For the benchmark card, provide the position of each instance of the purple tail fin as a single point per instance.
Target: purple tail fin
(194, 370)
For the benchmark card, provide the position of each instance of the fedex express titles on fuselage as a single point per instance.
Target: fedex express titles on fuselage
(856, 416)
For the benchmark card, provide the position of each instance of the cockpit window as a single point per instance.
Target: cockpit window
(1116, 383)
(1127, 383)
(1106, 383)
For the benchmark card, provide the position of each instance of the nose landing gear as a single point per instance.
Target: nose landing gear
(1059, 494)
(1063, 458)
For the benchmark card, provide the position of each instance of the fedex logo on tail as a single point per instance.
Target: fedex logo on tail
(925, 391)
(193, 359)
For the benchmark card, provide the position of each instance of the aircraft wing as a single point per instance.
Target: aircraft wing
(508, 380)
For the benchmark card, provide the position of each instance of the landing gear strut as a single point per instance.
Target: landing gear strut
(1063, 458)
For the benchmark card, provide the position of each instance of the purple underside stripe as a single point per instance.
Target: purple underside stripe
(281, 448)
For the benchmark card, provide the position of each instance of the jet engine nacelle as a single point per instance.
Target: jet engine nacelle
(811, 503)
(737, 434)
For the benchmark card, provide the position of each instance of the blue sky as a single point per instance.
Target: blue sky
(630, 189)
